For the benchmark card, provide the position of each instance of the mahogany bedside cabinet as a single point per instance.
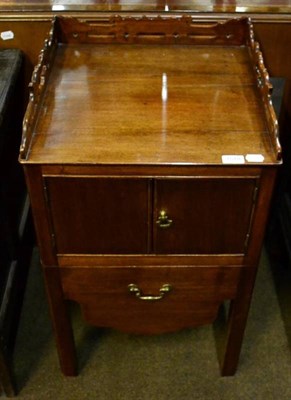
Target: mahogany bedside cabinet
(150, 149)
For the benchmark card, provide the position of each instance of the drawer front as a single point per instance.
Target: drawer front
(163, 299)
(94, 215)
(207, 215)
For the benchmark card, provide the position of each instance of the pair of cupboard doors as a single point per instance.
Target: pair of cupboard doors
(162, 215)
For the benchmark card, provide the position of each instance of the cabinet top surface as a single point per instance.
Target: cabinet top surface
(150, 104)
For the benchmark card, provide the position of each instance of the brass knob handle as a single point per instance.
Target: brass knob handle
(133, 288)
(163, 220)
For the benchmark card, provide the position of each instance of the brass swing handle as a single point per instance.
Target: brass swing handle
(163, 220)
(133, 288)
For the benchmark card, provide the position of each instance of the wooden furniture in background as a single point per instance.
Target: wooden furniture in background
(194, 6)
(150, 162)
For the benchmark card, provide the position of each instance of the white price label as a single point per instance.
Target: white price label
(255, 158)
(7, 35)
(233, 159)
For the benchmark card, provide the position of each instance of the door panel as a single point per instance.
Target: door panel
(206, 216)
(99, 215)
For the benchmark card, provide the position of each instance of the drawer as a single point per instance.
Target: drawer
(191, 299)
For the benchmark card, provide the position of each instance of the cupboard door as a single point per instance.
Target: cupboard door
(99, 215)
(202, 215)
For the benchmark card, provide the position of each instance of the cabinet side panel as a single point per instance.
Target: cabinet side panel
(36, 189)
(261, 213)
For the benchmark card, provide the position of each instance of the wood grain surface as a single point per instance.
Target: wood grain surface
(147, 104)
